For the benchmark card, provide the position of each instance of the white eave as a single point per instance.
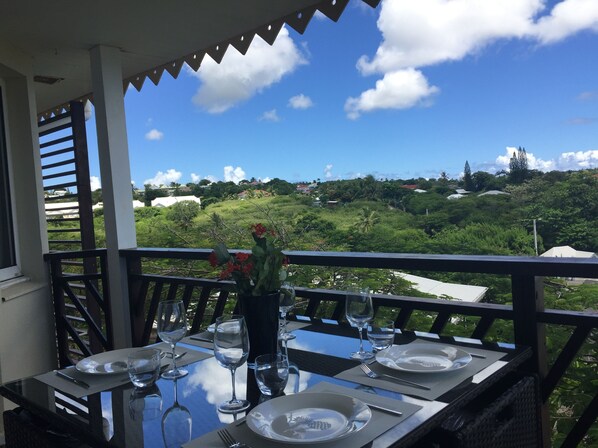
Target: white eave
(154, 36)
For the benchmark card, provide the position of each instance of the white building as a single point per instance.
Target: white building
(464, 293)
(171, 200)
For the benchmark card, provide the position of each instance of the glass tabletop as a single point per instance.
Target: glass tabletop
(124, 417)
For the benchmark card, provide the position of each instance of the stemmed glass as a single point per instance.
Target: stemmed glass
(176, 424)
(286, 304)
(231, 348)
(359, 311)
(172, 326)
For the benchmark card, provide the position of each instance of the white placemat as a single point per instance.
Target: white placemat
(439, 383)
(99, 383)
(379, 424)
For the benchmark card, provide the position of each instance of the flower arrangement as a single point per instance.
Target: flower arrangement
(257, 273)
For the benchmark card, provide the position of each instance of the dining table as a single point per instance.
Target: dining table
(108, 411)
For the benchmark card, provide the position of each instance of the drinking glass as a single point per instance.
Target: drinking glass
(272, 373)
(381, 334)
(359, 311)
(172, 326)
(144, 367)
(231, 348)
(176, 424)
(287, 302)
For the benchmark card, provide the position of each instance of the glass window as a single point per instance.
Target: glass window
(8, 258)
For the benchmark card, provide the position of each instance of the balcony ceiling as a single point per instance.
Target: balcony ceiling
(154, 35)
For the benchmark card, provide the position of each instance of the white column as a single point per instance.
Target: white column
(116, 180)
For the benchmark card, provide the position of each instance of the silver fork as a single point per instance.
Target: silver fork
(229, 440)
(369, 372)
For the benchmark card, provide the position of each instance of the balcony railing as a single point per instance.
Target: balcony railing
(526, 319)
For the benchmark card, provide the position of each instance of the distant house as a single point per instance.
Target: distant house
(419, 190)
(306, 188)
(136, 204)
(454, 196)
(62, 209)
(409, 187)
(171, 200)
(253, 194)
(568, 252)
(464, 293)
(461, 191)
(493, 193)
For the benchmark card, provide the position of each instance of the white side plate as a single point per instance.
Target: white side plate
(423, 358)
(308, 418)
(107, 363)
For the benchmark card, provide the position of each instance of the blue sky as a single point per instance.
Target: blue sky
(405, 90)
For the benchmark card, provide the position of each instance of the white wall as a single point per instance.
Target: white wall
(27, 335)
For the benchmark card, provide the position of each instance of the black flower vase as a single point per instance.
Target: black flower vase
(261, 317)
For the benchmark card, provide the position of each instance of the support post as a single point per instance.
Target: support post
(528, 299)
(115, 171)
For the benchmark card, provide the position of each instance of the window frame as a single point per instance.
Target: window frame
(13, 270)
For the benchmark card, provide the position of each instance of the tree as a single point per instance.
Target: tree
(518, 167)
(467, 179)
(367, 219)
(183, 213)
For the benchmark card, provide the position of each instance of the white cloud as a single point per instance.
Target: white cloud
(428, 32)
(401, 89)
(567, 18)
(300, 102)
(162, 178)
(565, 162)
(95, 183)
(211, 178)
(238, 78)
(235, 175)
(195, 178)
(577, 160)
(587, 96)
(270, 115)
(328, 171)
(154, 134)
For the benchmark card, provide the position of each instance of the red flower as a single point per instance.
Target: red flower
(213, 259)
(242, 257)
(247, 268)
(259, 230)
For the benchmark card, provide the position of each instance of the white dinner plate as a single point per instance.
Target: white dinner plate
(423, 358)
(308, 418)
(107, 363)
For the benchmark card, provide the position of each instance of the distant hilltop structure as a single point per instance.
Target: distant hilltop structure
(568, 252)
(171, 200)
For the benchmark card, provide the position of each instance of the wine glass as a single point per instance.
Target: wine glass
(359, 311)
(231, 348)
(172, 326)
(176, 424)
(286, 304)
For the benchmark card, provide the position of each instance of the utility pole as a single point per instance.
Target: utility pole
(535, 237)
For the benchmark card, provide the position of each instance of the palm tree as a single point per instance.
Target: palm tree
(367, 219)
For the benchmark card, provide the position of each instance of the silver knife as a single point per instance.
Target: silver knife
(72, 379)
(383, 409)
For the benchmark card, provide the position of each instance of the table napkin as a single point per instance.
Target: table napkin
(379, 424)
(99, 383)
(439, 383)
